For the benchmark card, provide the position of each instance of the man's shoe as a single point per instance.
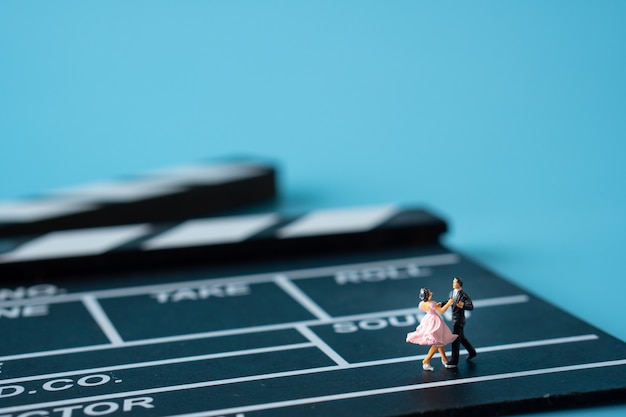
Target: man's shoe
(449, 365)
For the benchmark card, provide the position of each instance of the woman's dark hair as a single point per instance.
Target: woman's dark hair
(424, 294)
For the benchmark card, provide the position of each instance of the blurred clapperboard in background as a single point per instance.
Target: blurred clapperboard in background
(148, 296)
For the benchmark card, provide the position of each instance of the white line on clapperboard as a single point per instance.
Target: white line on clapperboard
(312, 400)
(392, 390)
(422, 261)
(323, 346)
(488, 302)
(255, 351)
(304, 300)
(94, 307)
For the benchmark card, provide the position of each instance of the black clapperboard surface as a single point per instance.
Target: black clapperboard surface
(127, 299)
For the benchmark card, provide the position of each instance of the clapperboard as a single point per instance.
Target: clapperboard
(182, 314)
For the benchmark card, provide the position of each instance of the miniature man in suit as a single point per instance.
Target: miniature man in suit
(461, 302)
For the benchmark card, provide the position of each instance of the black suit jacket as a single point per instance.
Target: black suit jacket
(458, 313)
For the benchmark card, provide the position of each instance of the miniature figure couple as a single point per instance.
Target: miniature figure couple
(433, 332)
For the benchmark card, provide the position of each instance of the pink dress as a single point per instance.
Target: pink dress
(432, 330)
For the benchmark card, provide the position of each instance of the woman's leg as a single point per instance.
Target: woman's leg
(442, 352)
(430, 354)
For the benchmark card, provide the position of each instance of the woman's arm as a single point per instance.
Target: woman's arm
(443, 308)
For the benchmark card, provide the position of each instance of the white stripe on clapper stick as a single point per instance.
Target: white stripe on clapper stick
(102, 319)
(337, 221)
(219, 173)
(212, 231)
(80, 242)
(23, 211)
(119, 191)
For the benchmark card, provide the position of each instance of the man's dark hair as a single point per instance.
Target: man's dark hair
(460, 281)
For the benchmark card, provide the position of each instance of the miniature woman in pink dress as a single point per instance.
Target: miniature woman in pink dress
(432, 330)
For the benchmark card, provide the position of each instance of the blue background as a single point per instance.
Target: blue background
(507, 118)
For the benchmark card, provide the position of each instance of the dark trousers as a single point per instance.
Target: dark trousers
(461, 340)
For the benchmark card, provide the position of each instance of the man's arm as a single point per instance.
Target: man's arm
(467, 302)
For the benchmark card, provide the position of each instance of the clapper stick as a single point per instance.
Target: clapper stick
(211, 241)
(178, 193)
